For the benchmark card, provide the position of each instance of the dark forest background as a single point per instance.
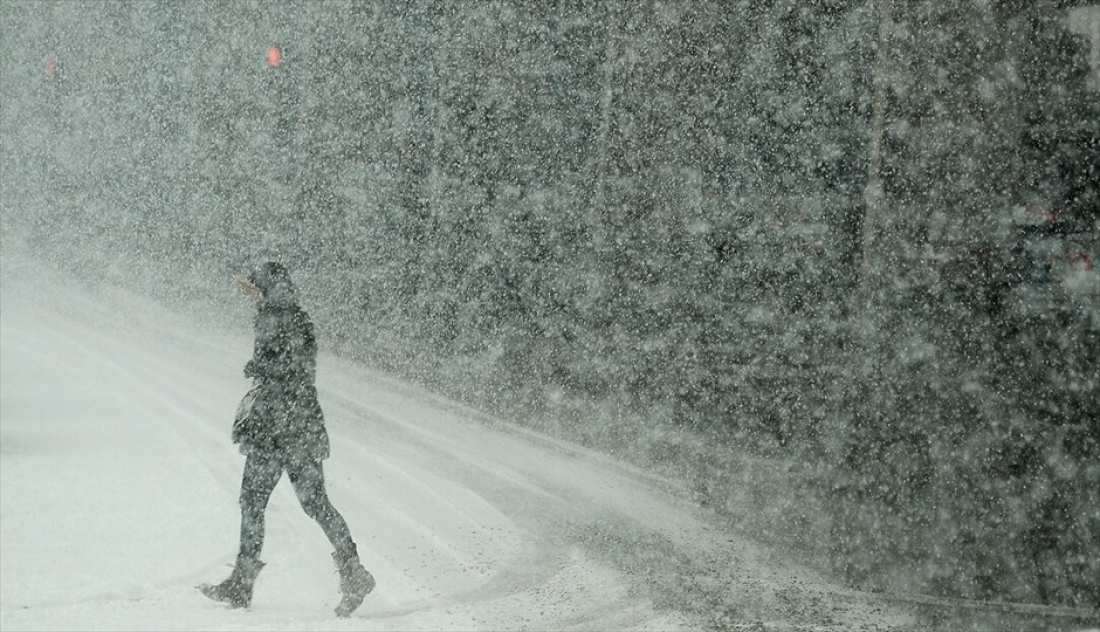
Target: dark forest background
(830, 261)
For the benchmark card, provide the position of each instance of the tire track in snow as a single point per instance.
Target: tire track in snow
(549, 555)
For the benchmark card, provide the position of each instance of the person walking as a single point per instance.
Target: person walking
(280, 427)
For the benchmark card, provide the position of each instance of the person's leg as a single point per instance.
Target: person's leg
(308, 479)
(261, 474)
(355, 582)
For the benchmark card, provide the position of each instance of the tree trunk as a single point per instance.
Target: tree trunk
(874, 220)
(606, 97)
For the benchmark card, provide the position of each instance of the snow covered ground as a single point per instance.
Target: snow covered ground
(118, 493)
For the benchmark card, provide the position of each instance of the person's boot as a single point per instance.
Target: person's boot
(355, 581)
(236, 590)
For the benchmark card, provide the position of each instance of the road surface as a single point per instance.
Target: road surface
(118, 492)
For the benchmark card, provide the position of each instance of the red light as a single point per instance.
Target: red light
(274, 57)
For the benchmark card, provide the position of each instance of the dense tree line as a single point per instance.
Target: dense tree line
(784, 227)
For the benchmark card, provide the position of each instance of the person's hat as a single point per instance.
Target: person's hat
(268, 275)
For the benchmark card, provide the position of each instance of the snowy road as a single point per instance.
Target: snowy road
(119, 489)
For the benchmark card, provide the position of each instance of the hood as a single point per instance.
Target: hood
(274, 281)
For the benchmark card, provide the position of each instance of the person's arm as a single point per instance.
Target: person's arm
(303, 356)
(285, 348)
(270, 356)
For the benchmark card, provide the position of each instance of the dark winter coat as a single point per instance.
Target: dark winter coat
(286, 418)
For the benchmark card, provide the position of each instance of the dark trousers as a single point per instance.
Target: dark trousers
(261, 473)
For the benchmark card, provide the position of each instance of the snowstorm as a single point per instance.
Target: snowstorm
(760, 315)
